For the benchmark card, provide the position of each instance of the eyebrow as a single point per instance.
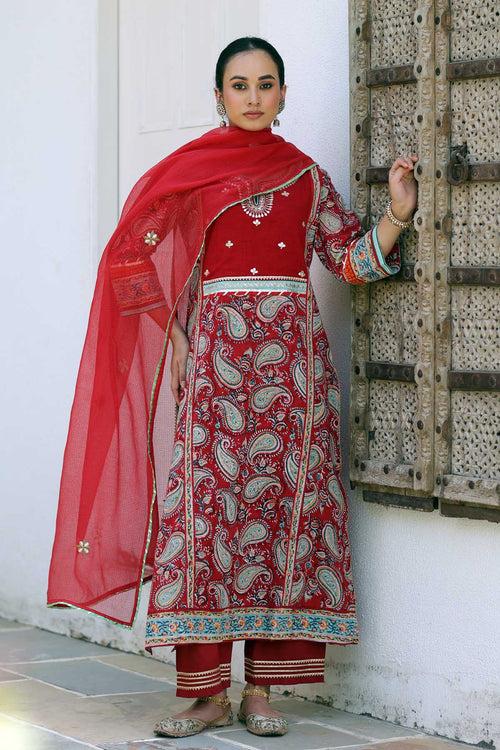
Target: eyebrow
(260, 78)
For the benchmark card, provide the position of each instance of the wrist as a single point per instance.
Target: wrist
(401, 212)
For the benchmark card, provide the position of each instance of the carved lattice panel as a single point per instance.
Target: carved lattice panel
(392, 130)
(476, 224)
(391, 411)
(475, 328)
(392, 21)
(467, 411)
(393, 407)
(475, 427)
(425, 412)
(474, 29)
(474, 107)
(393, 310)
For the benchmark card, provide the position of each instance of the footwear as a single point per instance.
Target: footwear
(266, 726)
(170, 727)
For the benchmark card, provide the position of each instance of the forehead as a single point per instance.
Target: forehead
(255, 62)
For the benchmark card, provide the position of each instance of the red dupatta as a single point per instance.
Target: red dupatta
(106, 529)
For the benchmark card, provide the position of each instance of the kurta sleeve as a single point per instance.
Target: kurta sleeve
(351, 254)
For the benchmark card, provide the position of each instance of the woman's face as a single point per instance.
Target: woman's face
(251, 84)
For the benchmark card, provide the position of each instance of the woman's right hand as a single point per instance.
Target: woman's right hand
(180, 351)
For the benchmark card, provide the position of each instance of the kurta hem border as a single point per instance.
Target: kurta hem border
(170, 629)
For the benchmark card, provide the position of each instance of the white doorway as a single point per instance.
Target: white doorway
(167, 51)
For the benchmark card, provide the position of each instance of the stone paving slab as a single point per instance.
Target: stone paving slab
(301, 735)
(417, 743)
(17, 735)
(145, 665)
(7, 676)
(369, 728)
(91, 677)
(20, 645)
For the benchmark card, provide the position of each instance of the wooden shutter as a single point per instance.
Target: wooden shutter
(424, 418)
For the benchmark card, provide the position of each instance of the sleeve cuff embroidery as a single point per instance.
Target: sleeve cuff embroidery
(367, 261)
(389, 269)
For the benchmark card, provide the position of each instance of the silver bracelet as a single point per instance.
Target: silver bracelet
(397, 222)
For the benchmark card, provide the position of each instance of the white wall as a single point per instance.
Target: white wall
(426, 585)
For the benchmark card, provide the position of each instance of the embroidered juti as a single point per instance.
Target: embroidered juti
(253, 542)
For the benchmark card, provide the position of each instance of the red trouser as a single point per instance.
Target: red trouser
(205, 668)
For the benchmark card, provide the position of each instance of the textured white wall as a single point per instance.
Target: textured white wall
(427, 586)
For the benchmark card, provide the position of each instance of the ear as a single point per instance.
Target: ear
(283, 90)
(217, 94)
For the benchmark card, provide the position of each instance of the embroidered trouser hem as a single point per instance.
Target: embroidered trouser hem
(205, 668)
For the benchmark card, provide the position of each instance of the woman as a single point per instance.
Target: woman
(214, 245)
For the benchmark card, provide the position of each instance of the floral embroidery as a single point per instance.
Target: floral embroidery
(253, 270)
(256, 222)
(206, 272)
(151, 238)
(83, 546)
(229, 243)
(302, 273)
(285, 193)
(258, 205)
(281, 245)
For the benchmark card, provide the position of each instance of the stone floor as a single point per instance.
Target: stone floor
(64, 693)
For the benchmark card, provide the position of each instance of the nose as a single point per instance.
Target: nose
(253, 96)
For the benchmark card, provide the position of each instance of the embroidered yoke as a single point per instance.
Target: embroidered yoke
(253, 540)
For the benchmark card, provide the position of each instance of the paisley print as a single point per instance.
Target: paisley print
(200, 435)
(329, 581)
(227, 372)
(232, 416)
(273, 353)
(330, 538)
(257, 486)
(201, 526)
(222, 554)
(268, 308)
(253, 540)
(173, 499)
(300, 376)
(230, 505)
(173, 548)
(226, 461)
(169, 593)
(247, 575)
(253, 533)
(264, 397)
(262, 443)
(237, 327)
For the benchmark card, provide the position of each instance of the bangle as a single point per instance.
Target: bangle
(397, 222)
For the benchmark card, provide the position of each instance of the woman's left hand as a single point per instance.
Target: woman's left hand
(403, 186)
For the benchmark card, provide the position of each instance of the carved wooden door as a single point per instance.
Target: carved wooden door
(425, 417)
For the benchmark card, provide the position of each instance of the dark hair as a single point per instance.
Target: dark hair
(243, 44)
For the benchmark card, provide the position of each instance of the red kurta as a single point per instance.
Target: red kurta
(253, 541)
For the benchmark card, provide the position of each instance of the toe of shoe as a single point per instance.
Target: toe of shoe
(178, 727)
(264, 725)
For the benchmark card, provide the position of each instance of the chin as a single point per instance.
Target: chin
(246, 124)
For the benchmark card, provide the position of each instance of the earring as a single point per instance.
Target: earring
(221, 110)
(281, 107)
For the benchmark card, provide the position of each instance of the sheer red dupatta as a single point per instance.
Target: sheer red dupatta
(106, 525)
